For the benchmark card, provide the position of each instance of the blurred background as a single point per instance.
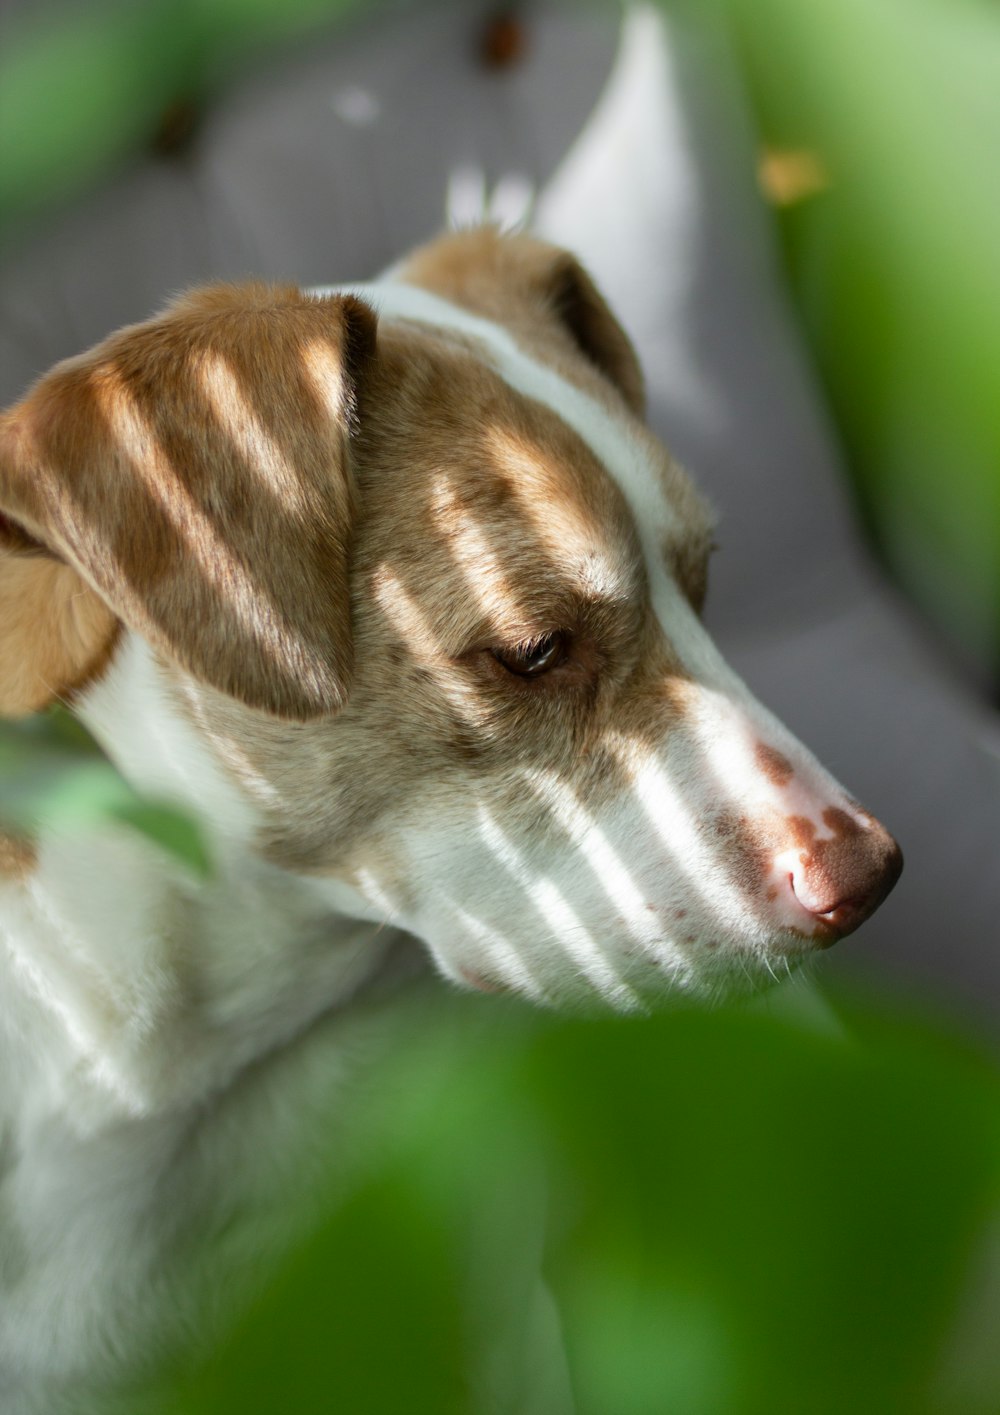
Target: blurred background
(795, 211)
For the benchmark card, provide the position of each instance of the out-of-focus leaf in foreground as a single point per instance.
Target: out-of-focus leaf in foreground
(707, 1214)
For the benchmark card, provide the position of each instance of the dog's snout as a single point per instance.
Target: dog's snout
(838, 880)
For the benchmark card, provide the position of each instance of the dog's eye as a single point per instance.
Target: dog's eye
(537, 656)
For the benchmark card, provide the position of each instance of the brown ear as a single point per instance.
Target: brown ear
(511, 278)
(575, 300)
(191, 478)
(55, 632)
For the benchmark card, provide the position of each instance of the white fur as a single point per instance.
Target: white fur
(135, 999)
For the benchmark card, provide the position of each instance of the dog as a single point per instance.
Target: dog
(395, 591)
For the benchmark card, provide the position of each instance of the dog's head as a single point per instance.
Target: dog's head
(414, 567)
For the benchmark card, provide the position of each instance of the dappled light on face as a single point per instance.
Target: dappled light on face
(499, 960)
(674, 820)
(411, 625)
(575, 539)
(730, 742)
(593, 845)
(496, 959)
(576, 940)
(475, 557)
(238, 419)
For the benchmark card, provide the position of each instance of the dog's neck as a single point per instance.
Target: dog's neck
(157, 988)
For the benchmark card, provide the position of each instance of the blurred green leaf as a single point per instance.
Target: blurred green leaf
(724, 1213)
(174, 830)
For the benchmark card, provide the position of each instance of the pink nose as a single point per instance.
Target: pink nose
(840, 879)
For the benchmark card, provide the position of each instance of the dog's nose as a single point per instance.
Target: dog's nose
(840, 879)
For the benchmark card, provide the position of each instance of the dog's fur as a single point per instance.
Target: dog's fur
(290, 554)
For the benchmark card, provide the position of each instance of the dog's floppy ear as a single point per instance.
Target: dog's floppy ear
(55, 632)
(190, 477)
(514, 278)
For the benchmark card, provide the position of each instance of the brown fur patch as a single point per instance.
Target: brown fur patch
(775, 766)
(18, 857)
(195, 471)
(542, 294)
(542, 297)
(56, 634)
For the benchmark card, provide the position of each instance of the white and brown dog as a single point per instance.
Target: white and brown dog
(393, 588)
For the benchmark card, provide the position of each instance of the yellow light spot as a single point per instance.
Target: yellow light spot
(788, 176)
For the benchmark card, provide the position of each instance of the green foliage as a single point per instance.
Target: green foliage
(894, 268)
(82, 89)
(709, 1214)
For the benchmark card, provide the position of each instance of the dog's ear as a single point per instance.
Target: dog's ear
(190, 478)
(518, 280)
(55, 632)
(574, 299)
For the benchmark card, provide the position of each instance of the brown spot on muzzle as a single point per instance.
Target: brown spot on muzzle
(746, 845)
(776, 767)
